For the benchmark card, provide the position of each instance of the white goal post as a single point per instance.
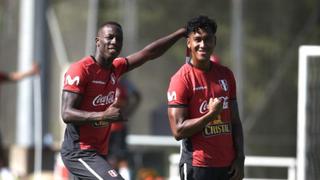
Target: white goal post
(304, 53)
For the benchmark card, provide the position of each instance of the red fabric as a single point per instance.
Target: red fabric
(192, 87)
(98, 88)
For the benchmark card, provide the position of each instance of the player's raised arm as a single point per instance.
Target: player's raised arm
(155, 49)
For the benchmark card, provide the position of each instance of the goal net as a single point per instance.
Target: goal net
(308, 143)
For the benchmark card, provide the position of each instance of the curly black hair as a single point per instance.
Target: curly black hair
(201, 22)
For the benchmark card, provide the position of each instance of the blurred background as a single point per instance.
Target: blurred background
(258, 40)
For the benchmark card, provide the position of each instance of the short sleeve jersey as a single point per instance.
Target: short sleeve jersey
(192, 88)
(97, 86)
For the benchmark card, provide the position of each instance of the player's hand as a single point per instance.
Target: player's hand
(215, 106)
(35, 69)
(113, 112)
(236, 171)
(183, 31)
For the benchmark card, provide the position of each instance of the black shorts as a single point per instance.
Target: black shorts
(89, 164)
(188, 172)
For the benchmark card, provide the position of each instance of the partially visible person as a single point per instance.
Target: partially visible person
(203, 111)
(148, 174)
(12, 77)
(18, 75)
(89, 104)
(128, 100)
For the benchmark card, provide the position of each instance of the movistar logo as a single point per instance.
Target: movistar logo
(71, 81)
(172, 96)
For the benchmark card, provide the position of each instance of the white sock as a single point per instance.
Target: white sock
(125, 173)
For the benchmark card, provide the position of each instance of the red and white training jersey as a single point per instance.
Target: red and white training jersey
(97, 86)
(192, 88)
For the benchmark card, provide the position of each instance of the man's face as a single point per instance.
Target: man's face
(201, 44)
(109, 41)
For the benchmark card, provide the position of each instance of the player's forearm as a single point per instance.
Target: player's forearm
(160, 46)
(72, 115)
(16, 76)
(237, 133)
(189, 127)
(81, 117)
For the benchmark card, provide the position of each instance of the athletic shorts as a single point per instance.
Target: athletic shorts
(88, 164)
(188, 172)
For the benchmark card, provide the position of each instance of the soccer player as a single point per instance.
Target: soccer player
(89, 105)
(14, 77)
(203, 112)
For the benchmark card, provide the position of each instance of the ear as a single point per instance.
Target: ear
(97, 42)
(188, 42)
(214, 40)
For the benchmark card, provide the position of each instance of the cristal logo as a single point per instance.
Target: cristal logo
(101, 100)
(71, 81)
(203, 107)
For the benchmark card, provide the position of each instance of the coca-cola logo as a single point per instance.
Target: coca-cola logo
(203, 107)
(101, 100)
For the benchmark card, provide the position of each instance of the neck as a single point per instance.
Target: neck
(103, 61)
(203, 65)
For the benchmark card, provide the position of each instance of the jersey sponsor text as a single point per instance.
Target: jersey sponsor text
(172, 96)
(71, 81)
(217, 127)
(101, 100)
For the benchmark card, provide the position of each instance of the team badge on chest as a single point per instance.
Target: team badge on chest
(223, 84)
(113, 79)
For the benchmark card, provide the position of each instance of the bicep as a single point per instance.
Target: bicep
(176, 117)
(70, 100)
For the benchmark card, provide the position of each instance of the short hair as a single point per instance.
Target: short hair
(109, 23)
(201, 22)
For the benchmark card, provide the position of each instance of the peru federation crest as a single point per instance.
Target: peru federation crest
(224, 84)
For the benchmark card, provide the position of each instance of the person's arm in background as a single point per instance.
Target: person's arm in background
(18, 75)
(133, 97)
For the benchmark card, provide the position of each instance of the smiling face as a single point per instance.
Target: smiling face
(109, 43)
(201, 44)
